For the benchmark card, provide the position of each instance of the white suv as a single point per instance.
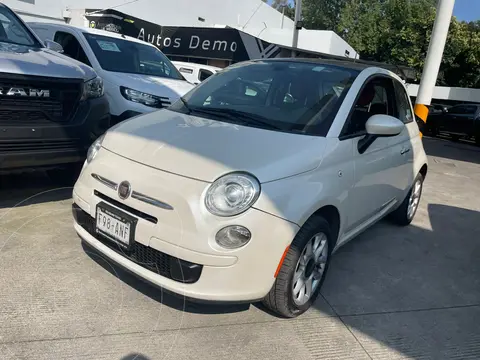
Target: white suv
(242, 189)
(138, 78)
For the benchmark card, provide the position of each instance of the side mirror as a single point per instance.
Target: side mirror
(54, 46)
(379, 126)
(384, 125)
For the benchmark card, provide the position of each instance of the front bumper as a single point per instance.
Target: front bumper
(56, 144)
(186, 233)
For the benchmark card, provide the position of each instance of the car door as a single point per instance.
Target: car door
(374, 175)
(403, 146)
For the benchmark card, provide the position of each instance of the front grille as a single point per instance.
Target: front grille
(147, 257)
(11, 146)
(58, 108)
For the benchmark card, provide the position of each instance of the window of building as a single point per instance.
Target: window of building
(186, 70)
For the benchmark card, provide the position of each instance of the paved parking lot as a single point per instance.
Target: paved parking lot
(393, 293)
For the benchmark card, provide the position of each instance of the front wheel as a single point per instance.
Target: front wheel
(404, 215)
(303, 270)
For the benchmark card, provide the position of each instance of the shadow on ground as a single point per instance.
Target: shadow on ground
(160, 295)
(31, 188)
(447, 149)
(389, 285)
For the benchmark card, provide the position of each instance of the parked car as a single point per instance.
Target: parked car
(234, 195)
(437, 108)
(51, 107)
(138, 77)
(195, 73)
(458, 121)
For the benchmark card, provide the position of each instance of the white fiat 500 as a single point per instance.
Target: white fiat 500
(242, 189)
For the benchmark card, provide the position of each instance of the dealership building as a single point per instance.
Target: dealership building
(214, 32)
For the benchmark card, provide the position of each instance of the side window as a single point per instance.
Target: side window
(204, 74)
(404, 109)
(377, 97)
(71, 47)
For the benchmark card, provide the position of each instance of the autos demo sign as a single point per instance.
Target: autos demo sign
(211, 43)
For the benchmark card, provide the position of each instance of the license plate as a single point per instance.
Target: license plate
(114, 224)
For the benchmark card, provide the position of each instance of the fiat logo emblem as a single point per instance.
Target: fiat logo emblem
(124, 190)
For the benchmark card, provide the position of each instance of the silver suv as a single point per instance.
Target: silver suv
(51, 107)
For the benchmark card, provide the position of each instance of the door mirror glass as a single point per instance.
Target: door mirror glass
(384, 125)
(54, 46)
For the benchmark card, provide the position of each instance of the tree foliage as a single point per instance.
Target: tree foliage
(398, 32)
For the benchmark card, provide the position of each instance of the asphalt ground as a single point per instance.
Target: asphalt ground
(392, 293)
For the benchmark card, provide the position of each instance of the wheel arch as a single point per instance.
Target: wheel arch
(424, 170)
(332, 215)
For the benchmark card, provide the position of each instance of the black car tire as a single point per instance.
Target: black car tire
(400, 216)
(65, 175)
(455, 138)
(280, 298)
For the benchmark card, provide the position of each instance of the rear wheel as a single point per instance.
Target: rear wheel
(66, 175)
(406, 212)
(303, 270)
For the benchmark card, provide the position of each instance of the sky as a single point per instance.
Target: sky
(467, 10)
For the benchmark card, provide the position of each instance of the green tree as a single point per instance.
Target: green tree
(322, 14)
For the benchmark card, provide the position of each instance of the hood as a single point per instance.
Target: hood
(154, 85)
(24, 60)
(207, 149)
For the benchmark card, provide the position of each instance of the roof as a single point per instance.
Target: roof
(354, 64)
(93, 31)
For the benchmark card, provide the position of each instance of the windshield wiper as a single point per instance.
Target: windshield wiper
(244, 117)
(185, 104)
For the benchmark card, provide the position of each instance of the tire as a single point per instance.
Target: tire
(65, 175)
(401, 216)
(281, 299)
(477, 139)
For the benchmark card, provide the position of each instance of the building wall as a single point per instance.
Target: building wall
(245, 13)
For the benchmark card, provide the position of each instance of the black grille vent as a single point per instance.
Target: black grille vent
(59, 107)
(147, 257)
(38, 145)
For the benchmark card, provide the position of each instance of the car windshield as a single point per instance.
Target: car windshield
(290, 96)
(13, 31)
(131, 57)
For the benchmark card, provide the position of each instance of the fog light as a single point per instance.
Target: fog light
(233, 237)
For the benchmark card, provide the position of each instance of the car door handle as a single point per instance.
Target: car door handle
(404, 151)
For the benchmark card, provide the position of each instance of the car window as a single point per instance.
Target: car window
(297, 97)
(377, 97)
(404, 109)
(131, 57)
(13, 31)
(71, 46)
(204, 74)
(463, 109)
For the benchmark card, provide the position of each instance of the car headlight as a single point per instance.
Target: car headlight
(94, 149)
(141, 97)
(93, 88)
(232, 194)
